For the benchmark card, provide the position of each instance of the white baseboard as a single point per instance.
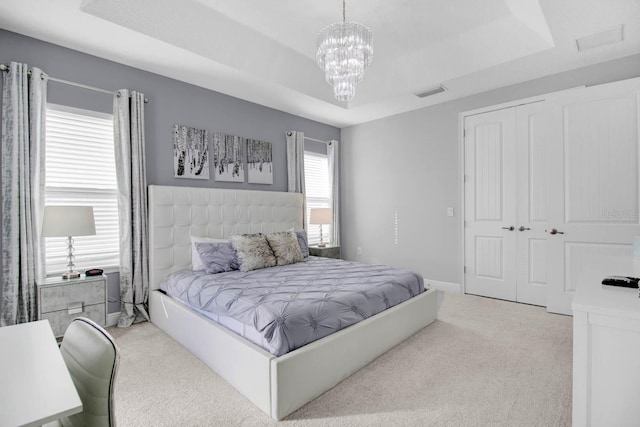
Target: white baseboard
(455, 288)
(112, 319)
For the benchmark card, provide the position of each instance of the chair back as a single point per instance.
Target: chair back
(92, 358)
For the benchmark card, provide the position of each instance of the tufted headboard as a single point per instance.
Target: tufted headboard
(176, 213)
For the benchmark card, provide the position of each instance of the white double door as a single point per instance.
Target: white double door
(566, 173)
(505, 204)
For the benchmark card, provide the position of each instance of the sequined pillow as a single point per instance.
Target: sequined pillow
(253, 251)
(285, 247)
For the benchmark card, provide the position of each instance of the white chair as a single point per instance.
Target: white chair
(92, 358)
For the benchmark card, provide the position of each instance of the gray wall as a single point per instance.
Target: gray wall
(171, 102)
(410, 164)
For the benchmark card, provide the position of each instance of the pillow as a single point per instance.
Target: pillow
(302, 241)
(196, 263)
(217, 257)
(253, 251)
(285, 247)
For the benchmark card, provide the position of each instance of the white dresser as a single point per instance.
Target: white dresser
(606, 347)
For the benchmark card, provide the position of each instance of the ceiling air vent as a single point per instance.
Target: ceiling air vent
(431, 91)
(612, 35)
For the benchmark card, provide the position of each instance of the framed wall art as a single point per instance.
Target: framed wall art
(228, 158)
(190, 152)
(259, 162)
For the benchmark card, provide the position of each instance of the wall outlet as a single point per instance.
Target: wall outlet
(449, 211)
(359, 250)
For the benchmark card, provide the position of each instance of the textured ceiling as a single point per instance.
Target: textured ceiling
(264, 51)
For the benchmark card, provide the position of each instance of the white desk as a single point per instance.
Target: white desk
(606, 347)
(35, 385)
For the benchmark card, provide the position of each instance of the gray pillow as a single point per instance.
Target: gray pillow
(217, 257)
(253, 251)
(196, 262)
(302, 241)
(285, 247)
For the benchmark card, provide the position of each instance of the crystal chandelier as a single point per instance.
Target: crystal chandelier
(344, 50)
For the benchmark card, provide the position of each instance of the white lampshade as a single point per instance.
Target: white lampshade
(65, 221)
(320, 216)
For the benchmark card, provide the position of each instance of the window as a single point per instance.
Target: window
(80, 170)
(316, 176)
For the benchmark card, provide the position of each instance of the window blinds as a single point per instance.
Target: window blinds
(80, 170)
(316, 176)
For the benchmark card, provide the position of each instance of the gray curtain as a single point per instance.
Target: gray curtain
(295, 168)
(333, 154)
(132, 206)
(24, 102)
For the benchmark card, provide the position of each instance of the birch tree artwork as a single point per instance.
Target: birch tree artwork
(190, 152)
(228, 158)
(259, 162)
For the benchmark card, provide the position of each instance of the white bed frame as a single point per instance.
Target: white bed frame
(276, 385)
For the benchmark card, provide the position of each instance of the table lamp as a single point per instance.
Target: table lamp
(68, 221)
(321, 216)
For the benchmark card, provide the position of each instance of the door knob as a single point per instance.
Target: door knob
(510, 228)
(523, 228)
(554, 231)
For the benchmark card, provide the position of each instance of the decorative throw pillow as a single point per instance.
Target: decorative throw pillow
(302, 241)
(217, 257)
(196, 263)
(253, 251)
(285, 247)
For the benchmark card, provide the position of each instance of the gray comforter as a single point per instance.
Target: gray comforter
(296, 304)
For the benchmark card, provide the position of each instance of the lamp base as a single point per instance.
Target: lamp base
(70, 275)
(322, 245)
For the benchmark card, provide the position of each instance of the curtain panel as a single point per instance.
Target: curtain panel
(24, 101)
(295, 168)
(333, 154)
(128, 111)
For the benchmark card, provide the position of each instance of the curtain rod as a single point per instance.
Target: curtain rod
(310, 139)
(5, 68)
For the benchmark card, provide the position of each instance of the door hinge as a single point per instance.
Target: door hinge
(464, 269)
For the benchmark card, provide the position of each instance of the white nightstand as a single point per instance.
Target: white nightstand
(62, 300)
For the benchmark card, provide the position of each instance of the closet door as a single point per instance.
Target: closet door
(490, 204)
(531, 178)
(593, 203)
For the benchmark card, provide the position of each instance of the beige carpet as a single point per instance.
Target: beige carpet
(484, 362)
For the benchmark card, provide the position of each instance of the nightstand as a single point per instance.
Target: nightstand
(61, 300)
(327, 251)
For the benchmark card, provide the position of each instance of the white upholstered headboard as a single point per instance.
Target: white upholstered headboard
(176, 213)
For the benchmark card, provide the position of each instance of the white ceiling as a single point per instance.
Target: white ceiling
(264, 50)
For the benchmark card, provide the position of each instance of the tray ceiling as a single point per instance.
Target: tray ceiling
(264, 51)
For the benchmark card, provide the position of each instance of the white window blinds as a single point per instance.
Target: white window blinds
(316, 176)
(80, 170)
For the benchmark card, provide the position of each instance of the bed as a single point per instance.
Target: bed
(278, 385)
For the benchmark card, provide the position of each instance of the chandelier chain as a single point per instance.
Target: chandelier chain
(344, 11)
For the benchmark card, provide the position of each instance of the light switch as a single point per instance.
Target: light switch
(449, 211)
